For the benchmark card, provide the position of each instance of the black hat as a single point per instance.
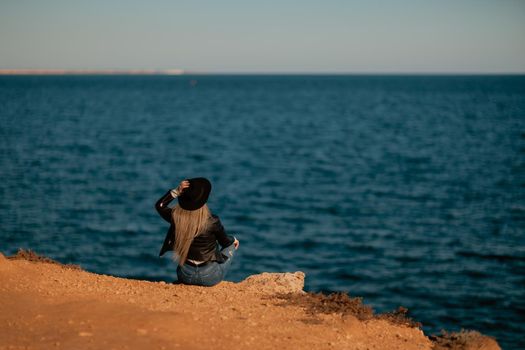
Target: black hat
(195, 196)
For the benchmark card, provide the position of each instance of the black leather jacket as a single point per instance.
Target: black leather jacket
(204, 247)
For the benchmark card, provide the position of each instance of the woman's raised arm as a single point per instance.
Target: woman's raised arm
(162, 205)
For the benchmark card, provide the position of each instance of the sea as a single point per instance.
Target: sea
(405, 190)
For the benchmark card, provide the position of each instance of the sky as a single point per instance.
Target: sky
(266, 36)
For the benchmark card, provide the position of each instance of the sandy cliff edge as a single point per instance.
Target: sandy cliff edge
(47, 305)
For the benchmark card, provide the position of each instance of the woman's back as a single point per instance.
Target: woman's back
(204, 245)
(195, 234)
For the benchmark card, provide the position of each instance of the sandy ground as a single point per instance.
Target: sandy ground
(44, 305)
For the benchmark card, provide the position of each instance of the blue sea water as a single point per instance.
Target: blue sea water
(405, 190)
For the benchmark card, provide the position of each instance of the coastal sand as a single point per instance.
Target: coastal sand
(52, 306)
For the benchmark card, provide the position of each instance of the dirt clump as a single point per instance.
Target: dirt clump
(338, 302)
(344, 304)
(30, 255)
(463, 340)
(400, 316)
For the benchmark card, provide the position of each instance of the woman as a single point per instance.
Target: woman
(193, 234)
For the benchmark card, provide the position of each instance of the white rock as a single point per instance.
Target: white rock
(286, 282)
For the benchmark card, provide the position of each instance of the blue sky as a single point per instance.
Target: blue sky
(403, 36)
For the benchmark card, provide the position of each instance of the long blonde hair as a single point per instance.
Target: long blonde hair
(188, 225)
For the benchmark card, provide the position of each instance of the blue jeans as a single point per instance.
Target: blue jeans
(208, 275)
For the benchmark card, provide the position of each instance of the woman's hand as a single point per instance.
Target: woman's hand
(182, 186)
(236, 243)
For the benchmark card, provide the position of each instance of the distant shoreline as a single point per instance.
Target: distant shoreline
(90, 72)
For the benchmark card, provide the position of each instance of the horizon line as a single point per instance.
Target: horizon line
(178, 72)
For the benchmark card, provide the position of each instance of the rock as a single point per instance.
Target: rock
(464, 340)
(276, 282)
(481, 342)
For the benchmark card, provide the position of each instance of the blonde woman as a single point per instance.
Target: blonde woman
(195, 234)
